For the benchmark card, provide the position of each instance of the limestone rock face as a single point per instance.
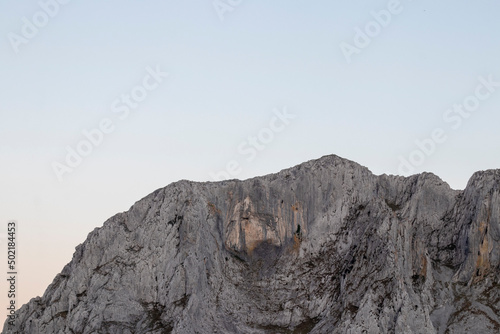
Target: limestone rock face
(323, 247)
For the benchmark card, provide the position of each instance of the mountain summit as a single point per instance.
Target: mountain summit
(323, 247)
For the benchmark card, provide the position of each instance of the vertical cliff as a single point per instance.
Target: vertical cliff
(323, 247)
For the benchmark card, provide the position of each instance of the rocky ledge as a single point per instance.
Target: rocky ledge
(323, 247)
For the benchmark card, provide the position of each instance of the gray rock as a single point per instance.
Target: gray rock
(323, 247)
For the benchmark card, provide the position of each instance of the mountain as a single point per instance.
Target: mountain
(323, 247)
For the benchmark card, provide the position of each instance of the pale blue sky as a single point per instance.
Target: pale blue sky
(225, 79)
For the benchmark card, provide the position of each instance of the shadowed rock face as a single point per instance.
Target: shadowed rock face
(323, 247)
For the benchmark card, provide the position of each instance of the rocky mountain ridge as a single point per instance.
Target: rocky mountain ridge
(323, 247)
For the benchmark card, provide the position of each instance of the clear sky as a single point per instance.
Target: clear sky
(91, 122)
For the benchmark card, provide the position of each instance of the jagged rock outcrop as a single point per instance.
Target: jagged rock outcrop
(323, 247)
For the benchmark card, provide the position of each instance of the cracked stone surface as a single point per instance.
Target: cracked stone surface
(323, 247)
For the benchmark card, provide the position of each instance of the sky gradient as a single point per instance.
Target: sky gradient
(171, 90)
